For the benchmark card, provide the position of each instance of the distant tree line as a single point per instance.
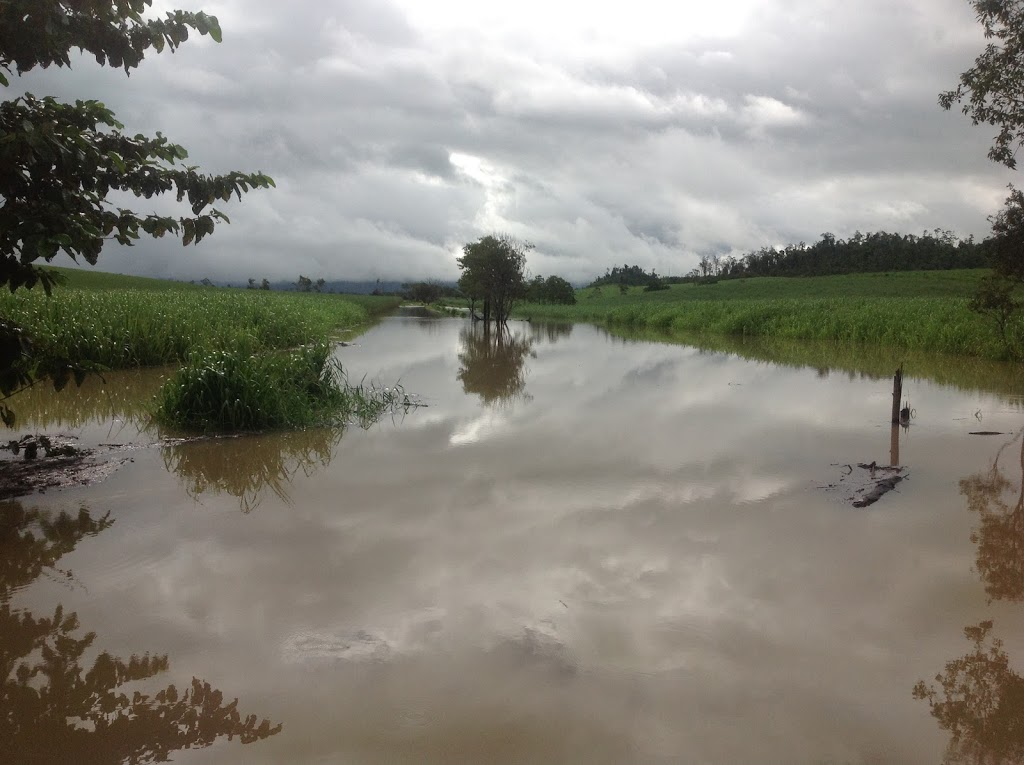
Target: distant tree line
(428, 292)
(861, 253)
(554, 289)
(630, 276)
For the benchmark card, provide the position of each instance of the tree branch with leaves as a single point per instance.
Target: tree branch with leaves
(990, 93)
(59, 162)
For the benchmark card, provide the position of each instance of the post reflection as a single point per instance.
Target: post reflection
(493, 363)
(56, 708)
(979, 699)
(247, 467)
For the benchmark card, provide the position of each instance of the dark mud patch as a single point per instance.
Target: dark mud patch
(34, 464)
(869, 481)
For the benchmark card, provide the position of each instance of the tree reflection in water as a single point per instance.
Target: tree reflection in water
(979, 698)
(980, 701)
(493, 363)
(247, 467)
(999, 503)
(54, 709)
(550, 332)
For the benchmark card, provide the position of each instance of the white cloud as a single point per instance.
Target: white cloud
(763, 112)
(646, 133)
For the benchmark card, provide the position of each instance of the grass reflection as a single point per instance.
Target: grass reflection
(873, 362)
(249, 466)
(56, 708)
(124, 396)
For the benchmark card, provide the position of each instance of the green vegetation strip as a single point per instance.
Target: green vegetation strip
(252, 359)
(921, 311)
(230, 391)
(128, 327)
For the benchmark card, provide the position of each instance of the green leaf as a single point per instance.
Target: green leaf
(214, 27)
(118, 161)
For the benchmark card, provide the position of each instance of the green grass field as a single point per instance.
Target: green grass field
(921, 310)
(231, 343)
(123, 321)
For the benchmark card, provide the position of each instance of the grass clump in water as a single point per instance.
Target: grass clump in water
(226, 391)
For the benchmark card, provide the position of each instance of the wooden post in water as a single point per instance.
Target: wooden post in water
(894, 446)
(897, 395)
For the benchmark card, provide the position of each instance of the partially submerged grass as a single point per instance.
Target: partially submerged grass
(253, 359)
(921, 311)
(227, 391)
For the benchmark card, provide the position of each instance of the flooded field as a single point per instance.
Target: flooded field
(583, 549)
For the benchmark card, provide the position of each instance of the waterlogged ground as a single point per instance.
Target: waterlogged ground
(583, 550)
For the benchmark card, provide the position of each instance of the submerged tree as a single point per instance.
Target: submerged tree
(492, 273)
(54, 708)
(60, 162)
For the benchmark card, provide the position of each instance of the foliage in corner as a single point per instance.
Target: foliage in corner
(59, 161)
(990, 90)
(978, 700)
(990, 94)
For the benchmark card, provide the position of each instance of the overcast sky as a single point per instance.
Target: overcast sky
(644, 132)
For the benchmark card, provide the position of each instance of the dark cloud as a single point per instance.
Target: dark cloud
(396, 136)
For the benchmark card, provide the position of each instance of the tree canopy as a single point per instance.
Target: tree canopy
(59, 162)
(554, 289)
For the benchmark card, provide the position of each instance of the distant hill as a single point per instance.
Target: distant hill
(93, 279)
(349, 288)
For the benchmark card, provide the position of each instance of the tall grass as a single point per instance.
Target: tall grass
(919, 311)
(239, 373)
(129, 327)
(228, 391)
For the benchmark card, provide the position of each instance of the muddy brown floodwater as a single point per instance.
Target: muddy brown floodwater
(584, 549)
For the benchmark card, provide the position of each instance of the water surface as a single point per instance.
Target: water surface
(583, 549)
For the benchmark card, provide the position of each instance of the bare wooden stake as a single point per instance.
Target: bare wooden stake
(897, 394)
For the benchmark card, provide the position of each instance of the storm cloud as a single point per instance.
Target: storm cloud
(636, 132)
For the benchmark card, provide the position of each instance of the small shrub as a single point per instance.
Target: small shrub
(230, 391)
